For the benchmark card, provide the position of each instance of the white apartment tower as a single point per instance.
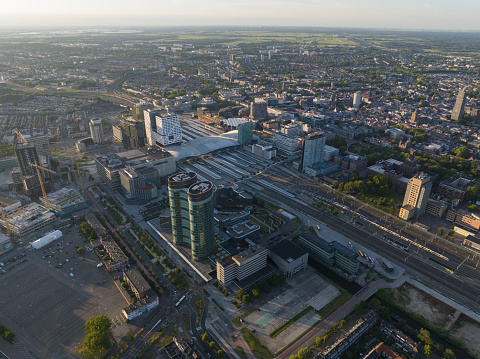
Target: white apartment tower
(357, 99)
(96, 130)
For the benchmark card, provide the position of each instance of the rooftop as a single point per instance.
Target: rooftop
(287, 250)
(133, 157)
(137, 280)
(182, 176)
(319, 242)
(200, 187)
(344, 251)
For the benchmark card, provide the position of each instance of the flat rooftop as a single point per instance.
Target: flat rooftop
(133, 157)
(287, 250)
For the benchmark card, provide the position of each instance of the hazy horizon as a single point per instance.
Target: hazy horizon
(439, 15)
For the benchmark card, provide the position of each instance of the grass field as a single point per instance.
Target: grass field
(256, 346)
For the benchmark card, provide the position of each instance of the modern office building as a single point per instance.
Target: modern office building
(459, 108)
(150, 124)
(96, 130)
(202, 230)
(178, 185)
(192, 208)
(313, 148)
(245, 133)
(138, 185)
(330, 254)
(109, 167)
(320, 249)
(289, 257)
(241, 265)
(285, 144)
(133, 133)
(162, 129)
(416, 197)
(139, 108)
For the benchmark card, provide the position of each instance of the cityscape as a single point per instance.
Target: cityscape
(239, 192)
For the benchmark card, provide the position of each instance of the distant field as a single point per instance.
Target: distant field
(246, 37)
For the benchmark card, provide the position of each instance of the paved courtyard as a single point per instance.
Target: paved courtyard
(308, 289)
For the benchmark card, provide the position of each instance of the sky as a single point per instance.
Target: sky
(387, 14)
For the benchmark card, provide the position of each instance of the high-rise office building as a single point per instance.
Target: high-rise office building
(96, 130)
(162, 129)
(459, 107)
(313, 148)
(133, 133)
(245, 133)
(258, 110)
(416, 197)
(139, 108)
(192, 207)
(26, 154)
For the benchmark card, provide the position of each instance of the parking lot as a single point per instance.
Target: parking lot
(308, 289)
(48, 297)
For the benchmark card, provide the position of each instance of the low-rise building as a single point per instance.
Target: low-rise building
(117, 259)
(455, 188)
(137, 283)
(28, 220)
(436, 208)
(464, 219)
(144, 305)
(5, 243)
(289, 257)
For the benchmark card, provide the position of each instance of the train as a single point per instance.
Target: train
(180, 301)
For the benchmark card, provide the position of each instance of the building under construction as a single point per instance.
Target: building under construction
(28, 220)
(65, 201)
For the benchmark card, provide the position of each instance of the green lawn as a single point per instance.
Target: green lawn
(240, 352)
(186, 320)
(256, 346)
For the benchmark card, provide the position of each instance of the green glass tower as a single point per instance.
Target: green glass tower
(191, 206)
(200, 205)
(245, 133)
(178, 195)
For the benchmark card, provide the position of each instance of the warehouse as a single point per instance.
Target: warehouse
(46, 240)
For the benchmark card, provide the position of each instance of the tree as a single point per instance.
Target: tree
(220, 353)
(461, 152)
(440, 231)
(240, 293)
(97, 342)
(212, 345)
(335, 184)
(255, 293)
(246, 299)
(205, 337)
(427, 351)
(424, 336)
(385, 313)
(80, 250)
(449, 354)
(472, 208)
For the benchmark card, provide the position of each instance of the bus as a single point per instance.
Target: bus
(180, 301)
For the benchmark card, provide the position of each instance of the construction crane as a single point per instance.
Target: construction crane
(80, 179)
(5, 221)
(20, 136)
(39, 174)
